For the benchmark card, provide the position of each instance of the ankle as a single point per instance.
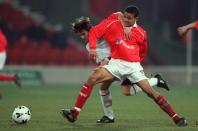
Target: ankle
(76, 111)
(176, 117)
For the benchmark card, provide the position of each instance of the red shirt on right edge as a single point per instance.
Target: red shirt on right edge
(196, 25)
(3, 41)
(112, 31)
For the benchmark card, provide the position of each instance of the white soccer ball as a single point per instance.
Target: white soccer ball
(21, 115)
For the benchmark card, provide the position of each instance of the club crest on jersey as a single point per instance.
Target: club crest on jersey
(118, 41)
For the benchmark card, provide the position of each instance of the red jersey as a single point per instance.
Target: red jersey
(3, 41)
(111, 30)
(196, 25)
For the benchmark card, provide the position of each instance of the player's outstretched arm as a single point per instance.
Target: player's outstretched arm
(184, 29)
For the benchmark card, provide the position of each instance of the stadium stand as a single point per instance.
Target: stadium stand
(31, 43)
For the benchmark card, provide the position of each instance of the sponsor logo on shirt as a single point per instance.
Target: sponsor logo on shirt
(120, 41)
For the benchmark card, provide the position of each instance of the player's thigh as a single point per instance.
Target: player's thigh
(100, 75)
(145, 86)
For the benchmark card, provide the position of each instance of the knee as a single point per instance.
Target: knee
(92, 79)
(126, 93)
(126, 90)
(95, 77)
(103, 87)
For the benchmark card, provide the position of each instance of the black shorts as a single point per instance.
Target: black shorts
(126, 82)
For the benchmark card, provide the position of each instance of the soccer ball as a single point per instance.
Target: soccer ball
(21, 115)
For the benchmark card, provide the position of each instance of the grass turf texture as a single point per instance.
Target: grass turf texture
(132, 113)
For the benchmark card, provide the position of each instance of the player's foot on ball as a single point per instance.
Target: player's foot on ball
(181, 122)
(68, 114)
(105, 119)
(17, 80)
(161, 82)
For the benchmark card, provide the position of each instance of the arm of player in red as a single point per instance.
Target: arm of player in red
(3, 41)
(196, 25)
(96, 33)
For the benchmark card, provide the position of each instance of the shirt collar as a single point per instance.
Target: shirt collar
(134, 25)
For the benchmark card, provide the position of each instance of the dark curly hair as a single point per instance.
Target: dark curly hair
(81, 23)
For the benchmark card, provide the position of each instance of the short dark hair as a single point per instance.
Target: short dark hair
(133, 10)
(81, 23)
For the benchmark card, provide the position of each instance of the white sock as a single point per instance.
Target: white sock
(153, 81)
(106, 100)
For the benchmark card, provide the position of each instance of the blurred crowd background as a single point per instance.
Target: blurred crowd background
(39, 31)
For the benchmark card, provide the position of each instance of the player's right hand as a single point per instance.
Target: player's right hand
(182, 30)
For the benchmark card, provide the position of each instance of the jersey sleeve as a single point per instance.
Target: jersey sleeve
(98, 32)
(196, 25)
(114, 16)
(3, 40)
(144, 47)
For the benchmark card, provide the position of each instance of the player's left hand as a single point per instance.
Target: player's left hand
(93, 55)
(127, 33)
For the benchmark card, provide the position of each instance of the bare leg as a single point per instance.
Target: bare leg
(97, 76)
(130, 89)
(162, 102)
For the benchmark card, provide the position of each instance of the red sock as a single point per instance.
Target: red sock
(4, 77)
(82, 98)
(166, 107)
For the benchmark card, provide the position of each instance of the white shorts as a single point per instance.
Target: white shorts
(2, 59)
(122, 69)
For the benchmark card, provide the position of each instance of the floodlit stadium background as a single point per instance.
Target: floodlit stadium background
(43, 49)
(53, 63)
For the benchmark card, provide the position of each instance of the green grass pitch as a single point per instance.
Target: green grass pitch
(132, 113)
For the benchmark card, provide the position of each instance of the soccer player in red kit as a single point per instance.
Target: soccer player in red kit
(125, 63)
(184, 29)
(5, 77)
(82, 26)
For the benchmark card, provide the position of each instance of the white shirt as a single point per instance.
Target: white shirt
(102, 49)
